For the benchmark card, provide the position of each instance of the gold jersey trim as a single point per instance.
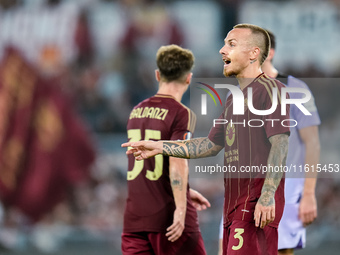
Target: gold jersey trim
(191, 115)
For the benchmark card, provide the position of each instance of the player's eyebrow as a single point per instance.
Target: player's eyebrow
(230, 40)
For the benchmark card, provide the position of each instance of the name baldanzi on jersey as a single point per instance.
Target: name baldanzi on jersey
(149, 112)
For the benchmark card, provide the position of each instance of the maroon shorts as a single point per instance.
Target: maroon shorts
(242, 237)
(150, 243)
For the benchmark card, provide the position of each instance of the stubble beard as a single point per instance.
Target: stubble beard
(229, 73)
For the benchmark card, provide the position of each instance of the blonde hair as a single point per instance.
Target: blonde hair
(261, 39)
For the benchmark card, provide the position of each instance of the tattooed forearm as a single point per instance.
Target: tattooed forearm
(176, 181)
(194, 148)
(175, 150)
(277, 158)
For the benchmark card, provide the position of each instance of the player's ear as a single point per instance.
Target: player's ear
(157, 75)
(254, 54)
(188, 79)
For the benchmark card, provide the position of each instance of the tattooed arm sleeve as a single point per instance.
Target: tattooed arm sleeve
(277, 157)
(194, 148)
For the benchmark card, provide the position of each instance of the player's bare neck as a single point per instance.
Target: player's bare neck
(247, 77)
(173, 89)
(270, 70)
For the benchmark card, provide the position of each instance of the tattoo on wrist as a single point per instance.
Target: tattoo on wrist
(176, 150)
(268, 190)
(194, 148)
(277, 157)
(201, 147)
(267, 199)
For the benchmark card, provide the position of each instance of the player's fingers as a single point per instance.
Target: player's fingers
(206, 203)
(174, 233)
(172, 227)
(306, 219)
(131, 151)
(175, 236)
(269, 219)
(273, 214)
(306, 223)
(314, 215)
(198, 207)
(303, 219)
(257, 217)
(310, 217)
(263, 219)
(126, 144)
(139, 158)
(132, 144)
(203, 201)
(268, 216)
(171, 233)
(175, 226)
(137, 153)
(305, 216)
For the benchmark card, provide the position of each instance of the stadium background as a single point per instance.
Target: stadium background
(103, 52)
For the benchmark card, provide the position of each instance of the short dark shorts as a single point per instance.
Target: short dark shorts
(151, 243)
(242, 237)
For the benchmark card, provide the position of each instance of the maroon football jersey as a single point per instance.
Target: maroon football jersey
(247, 147)
(150, 203)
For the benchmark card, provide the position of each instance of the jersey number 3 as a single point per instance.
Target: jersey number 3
(136, 135)
(238, 233)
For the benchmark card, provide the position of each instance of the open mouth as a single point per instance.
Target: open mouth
(226, 61)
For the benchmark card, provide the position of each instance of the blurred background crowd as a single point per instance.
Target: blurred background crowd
(97, 59)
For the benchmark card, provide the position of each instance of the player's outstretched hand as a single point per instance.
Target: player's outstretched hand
(176, 229)
(198, 200)
(264, 211)
(144, 149)
(308, 209)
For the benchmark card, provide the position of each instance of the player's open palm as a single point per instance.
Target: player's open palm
(308, 209)
(176, 229)
(264, 211)
(143, 149)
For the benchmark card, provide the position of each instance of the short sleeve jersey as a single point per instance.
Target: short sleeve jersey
(246, 141)
(150, 204)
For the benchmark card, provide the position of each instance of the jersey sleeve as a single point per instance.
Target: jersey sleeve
(277, 123)
(216, 134)
(184, 124)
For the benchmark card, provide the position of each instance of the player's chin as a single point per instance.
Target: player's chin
(227, 73)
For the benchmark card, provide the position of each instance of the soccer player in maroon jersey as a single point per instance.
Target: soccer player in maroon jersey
(160, 215)
(253, 204)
